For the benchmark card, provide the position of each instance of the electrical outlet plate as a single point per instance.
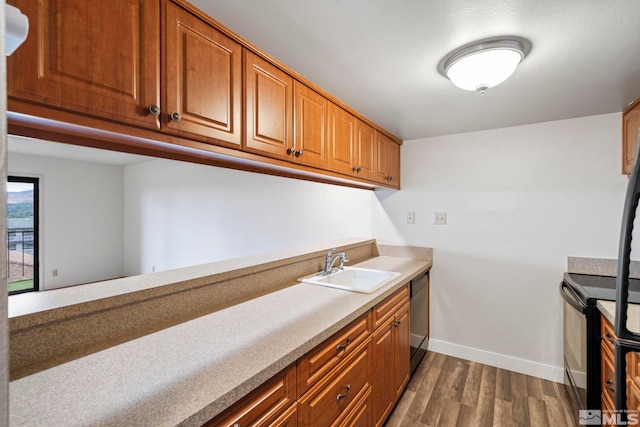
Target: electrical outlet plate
(439, 218)
(411, 218)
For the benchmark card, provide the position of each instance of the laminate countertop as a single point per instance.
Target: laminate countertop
(187, 374)
(608, 309)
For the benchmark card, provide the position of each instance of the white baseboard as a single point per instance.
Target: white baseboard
(523, 366)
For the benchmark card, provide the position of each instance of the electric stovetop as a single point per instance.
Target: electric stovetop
(600, 287)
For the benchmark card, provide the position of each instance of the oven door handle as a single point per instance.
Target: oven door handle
(571, 297)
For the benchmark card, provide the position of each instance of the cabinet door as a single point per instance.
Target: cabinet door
(311, 113)
(364, 152)
(341, 139)
(387, 161)
(630, 124)
(383, 379)
(91, 57)
(269, 112)
(202, 82)
(403, 349)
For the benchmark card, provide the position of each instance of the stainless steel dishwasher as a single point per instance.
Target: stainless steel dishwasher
(419, 318)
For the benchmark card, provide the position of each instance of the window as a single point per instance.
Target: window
(22, 234)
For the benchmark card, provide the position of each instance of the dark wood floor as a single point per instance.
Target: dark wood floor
(447, 391)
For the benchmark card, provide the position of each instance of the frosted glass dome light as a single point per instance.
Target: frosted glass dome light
(482, 65)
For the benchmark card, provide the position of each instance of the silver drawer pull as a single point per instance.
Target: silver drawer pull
(343, 395)
(343, 346)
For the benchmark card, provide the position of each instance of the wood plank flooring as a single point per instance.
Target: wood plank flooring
(447, 391)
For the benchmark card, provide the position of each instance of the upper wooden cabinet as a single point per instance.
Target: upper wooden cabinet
(202, 79)
(268, 108)
(630, 125)
(98, 58)
(387, 160)
(363, 152)
(341, 139)
(311, 115)
(127, 74)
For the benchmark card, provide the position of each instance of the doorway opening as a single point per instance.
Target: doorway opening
(23, 210)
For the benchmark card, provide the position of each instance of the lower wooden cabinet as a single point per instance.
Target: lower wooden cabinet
(271, 404)
(336, 395)
(391, 348)
(608, 372)
(354, 378)
(319, 362)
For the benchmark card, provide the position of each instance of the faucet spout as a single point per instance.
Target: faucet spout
(330, 261)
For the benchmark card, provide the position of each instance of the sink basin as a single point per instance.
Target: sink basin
(353, 279)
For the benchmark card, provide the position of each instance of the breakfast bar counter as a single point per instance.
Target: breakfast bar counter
(188, 373)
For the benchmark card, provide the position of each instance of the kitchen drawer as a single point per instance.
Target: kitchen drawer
(606, 329)
(268, 405)
(319, 361)
(608, 374)
(607, 403)
(337, 393)
(387, 308)
(361, 413)
(288, 419)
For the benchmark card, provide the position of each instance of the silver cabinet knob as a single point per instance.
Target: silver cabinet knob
(154, 110)
(175, 116)
(298, 153)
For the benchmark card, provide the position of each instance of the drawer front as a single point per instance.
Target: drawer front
(606, 332)
(264, 406)
(338, 393)
(608, 375)
(361, 413)
(389, 306)
(317, 363)
(288, 419)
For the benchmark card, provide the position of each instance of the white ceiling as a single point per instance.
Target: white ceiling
(380, 56)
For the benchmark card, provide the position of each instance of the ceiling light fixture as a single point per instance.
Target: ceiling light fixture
(485, 63)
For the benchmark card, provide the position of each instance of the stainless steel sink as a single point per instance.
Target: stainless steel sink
(353, 279)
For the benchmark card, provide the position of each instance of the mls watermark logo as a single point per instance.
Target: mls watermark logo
(591, 417)
(588, 417)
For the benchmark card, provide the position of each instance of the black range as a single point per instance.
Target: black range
(581, 325)
(592, 288)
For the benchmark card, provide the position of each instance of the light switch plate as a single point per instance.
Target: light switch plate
(439, 218)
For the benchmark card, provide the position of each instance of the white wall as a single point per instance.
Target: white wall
(81, 218)
(179, 214)
(518, 201)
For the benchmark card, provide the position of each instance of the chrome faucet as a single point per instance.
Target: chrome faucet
(330, 261)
